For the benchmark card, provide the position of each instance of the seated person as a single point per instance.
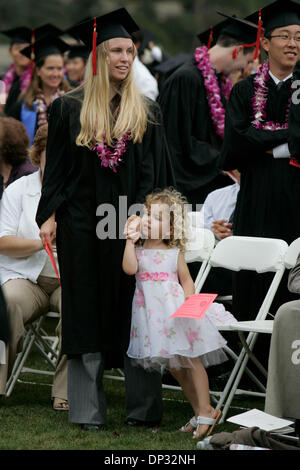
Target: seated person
(215, 215)
(28, 279)
(283, 385)
(75, 64)
(14, 144)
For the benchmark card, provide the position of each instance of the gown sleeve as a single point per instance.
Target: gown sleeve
(294, 118)
(156, 169)
(242, 142)
(56, 171)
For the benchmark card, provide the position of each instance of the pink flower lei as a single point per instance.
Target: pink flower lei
(111, 158)
(259, 101)
(213, 91)
(41, 107)
(10, 76)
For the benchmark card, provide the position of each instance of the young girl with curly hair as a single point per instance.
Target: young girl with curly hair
(154, 253)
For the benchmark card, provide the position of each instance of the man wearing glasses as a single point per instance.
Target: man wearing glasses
(256, 143)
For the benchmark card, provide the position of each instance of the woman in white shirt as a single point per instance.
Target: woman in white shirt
(28, 279)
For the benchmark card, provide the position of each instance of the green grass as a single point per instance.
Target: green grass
(27, 421)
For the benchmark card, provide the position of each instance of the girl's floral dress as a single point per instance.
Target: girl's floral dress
(156, 340)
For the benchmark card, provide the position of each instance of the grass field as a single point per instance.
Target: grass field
(27, 421)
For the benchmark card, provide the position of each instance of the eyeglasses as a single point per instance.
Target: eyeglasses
(286, 38)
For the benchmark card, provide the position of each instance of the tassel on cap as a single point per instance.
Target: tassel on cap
(32, 55)
(210, 38)
(258, 35)
(94, 47)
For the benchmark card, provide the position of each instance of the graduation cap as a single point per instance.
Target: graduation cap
(245, 31)
(116, 24)
(48, 45)
(24, 35)
(78, 50)
(71, 31)
(277, 15)
(209, 36)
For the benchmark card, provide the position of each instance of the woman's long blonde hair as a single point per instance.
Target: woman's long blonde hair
(96, 117)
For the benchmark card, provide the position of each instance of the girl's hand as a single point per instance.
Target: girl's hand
(48, 231)
(132, 228)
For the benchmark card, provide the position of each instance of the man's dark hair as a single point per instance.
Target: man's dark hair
(228, 41)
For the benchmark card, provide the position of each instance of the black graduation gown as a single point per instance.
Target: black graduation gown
(269, 196)
(193, 143)
(294, 119)
(13, 95)
(96, 293)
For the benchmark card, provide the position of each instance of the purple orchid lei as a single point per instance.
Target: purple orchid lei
(10, 75)
(259, 101)
(112, 158)
(213, 92)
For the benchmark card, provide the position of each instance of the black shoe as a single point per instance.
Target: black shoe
(136, 422)
(92, 427)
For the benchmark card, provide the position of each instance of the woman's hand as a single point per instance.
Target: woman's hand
(48, 231)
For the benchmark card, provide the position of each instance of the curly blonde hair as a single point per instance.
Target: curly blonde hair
(39, 144)
(176, 203)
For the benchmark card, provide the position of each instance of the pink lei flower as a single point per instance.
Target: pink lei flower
(213, 92)
(10, 76)
(112, 158)
(259, 102)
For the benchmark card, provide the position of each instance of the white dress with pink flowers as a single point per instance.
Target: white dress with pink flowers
(157, 340)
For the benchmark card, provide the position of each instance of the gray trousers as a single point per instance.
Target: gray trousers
(86, 395)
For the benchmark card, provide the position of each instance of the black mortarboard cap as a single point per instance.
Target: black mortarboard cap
(210, 36)
(48, 45)
(20, 35)
(23, 35)
(71, 31)
(116, 24)
(278, 14)
(78, 50)
(242, 30)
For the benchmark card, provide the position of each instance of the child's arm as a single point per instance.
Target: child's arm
(130, 262)
(184, 276)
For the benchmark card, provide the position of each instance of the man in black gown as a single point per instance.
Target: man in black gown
(191, 135)
(269, 197)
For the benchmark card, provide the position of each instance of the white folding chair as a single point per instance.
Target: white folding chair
(253, 254)
(47, 345)
(200, 245)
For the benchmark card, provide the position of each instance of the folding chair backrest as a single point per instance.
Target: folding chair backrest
(292, 254)
(200, 245)
(249, 253)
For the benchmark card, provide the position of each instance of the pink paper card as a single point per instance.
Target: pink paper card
(195, 306)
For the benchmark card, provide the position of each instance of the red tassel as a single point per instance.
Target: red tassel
(234, 53)
(32, 55)
(258, 35)
(94, 47)
(210, 38)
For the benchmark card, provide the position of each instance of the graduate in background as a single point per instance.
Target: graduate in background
(48, 83)
(75, 64)
(193, 109)
(17, 77)
(256, 142)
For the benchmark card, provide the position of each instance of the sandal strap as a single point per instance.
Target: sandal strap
(205, 420)
(193, 422)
